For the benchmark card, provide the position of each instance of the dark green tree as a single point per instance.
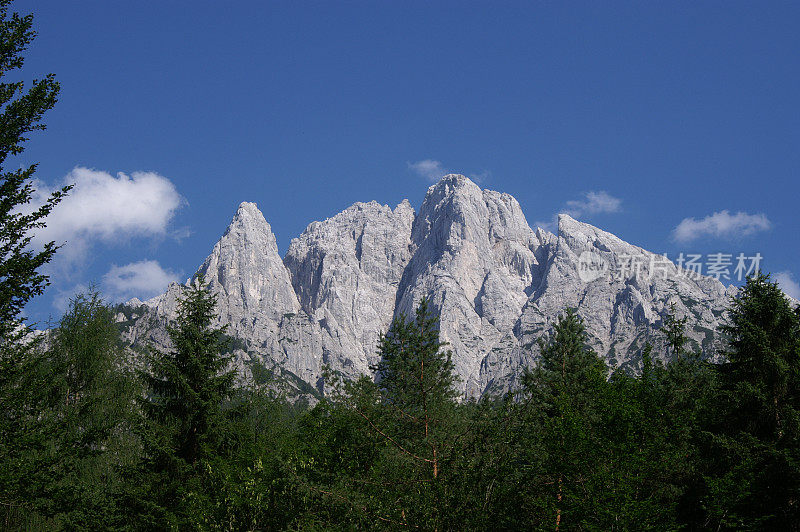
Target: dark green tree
(392, 442)
(86, 416)
(247, 485)
(21, 111)
(415, 377)
(485, 478)
(79, 403)
(649, 425)
(753, 459)
(185, 424)
(674, 331)
(559, 445)
(417, 393)
(20, 114)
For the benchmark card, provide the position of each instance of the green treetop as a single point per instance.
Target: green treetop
(20, 113)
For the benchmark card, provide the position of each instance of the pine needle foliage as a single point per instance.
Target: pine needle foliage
(185, 425)
(752, 461)
(21, 112)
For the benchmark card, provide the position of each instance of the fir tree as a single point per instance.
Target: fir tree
(754, 456)
(563, 398)
(674, 331)
(185, 424)
(21, 111)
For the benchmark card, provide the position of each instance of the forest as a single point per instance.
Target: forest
(91, 443)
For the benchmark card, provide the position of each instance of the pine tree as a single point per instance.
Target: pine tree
(674, 331)
(563, 398)
(184, 425)
(416, 377)
(393, 439)
(21, 111)
(754, 455)
(413, 419)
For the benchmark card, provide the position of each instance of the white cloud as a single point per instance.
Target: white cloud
(433, 171)
(105, 208)
(592, 203)
(721, 224)
(787, 283)
(143, 279)
(429, 169)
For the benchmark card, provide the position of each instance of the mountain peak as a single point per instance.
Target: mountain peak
(248, 206)
(454, 181)
(249, 223)
(567, 225)
(247, 274)
(248, 210)
(456, 178)
(566, 218)
(404, 205)
(451, 189)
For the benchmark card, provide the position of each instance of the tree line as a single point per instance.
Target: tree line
(90, 441)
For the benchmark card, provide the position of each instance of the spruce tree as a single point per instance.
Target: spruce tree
(754, 456)
(21, 111)
(649, 423)
(681, 393)
(20, 114)
(184, 425)
(393, 441)
(559, 443)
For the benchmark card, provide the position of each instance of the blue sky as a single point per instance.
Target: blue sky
(635, 116)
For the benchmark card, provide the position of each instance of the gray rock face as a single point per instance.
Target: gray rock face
(476, 260)
(255, 295)
(622, 301)
(346, 271)
(255, 299)
(497, 285)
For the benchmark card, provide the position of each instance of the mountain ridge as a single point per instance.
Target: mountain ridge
(496, 283)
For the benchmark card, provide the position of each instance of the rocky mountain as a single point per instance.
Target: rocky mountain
(346, 272)
(497, 284)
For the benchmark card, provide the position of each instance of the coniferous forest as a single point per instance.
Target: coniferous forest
(90, 440)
